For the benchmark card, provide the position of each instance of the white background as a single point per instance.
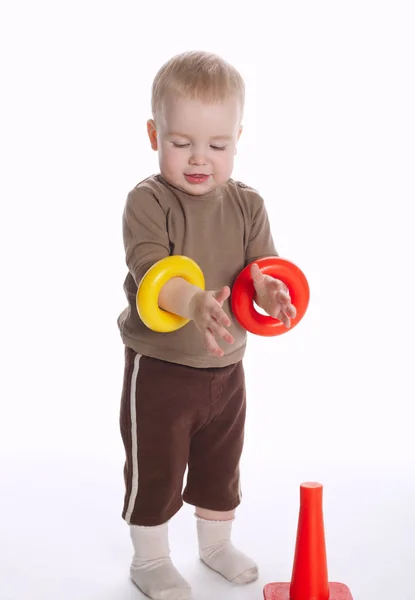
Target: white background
(329, 142)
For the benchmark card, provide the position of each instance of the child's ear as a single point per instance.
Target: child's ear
(152, 134)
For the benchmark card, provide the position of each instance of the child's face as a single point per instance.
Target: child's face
(196, 142)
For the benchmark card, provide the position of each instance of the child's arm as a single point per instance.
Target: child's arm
(176, 296)
(145, 236)
(146, 241)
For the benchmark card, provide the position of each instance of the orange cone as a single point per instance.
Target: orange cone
(309, 577)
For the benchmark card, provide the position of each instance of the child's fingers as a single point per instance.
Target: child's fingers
(222, 294)
(220, 316)
(281, 311)
(291, 311)
(255, 272)
(283, 297)
(285, 319)
(277, 285)
(211, 344)
(221, 332)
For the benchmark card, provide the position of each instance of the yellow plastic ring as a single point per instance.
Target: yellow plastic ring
(148, 291)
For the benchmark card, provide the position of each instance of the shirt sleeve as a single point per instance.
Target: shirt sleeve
(260, 240)
(145, 236)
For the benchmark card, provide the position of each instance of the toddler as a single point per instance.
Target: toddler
(183, 400)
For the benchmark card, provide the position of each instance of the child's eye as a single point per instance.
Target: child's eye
(176, 145)
(218, 147)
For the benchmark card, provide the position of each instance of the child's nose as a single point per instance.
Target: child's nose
(198, 158)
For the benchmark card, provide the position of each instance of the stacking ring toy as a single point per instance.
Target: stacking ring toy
(148, 291)
(243, 294)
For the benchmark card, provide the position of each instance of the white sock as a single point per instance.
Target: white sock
(152, 569)
(217, 551)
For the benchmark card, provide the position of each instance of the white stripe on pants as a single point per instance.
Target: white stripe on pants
(134, 440)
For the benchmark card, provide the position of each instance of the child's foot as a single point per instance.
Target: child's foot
(218, 553)
(152, 569)
(160, 580)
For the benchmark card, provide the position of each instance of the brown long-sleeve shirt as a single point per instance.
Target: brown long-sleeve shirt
(222, 231)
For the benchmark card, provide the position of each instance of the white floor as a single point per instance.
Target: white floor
(63, 538)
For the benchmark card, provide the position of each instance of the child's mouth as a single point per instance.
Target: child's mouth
(199, 178)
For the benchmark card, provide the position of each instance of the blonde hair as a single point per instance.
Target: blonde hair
(197, 75)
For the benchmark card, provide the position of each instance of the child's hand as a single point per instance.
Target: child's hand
(272, 295)
(210, 318)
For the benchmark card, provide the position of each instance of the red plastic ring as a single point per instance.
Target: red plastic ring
(243, 292)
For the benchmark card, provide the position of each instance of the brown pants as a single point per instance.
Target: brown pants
(173, 417)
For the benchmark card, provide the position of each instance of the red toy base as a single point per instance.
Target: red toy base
(281, 591)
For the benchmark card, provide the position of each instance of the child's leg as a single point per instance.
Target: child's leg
(156, 416)
(213, 481)
(217, 551)
(152, 569)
